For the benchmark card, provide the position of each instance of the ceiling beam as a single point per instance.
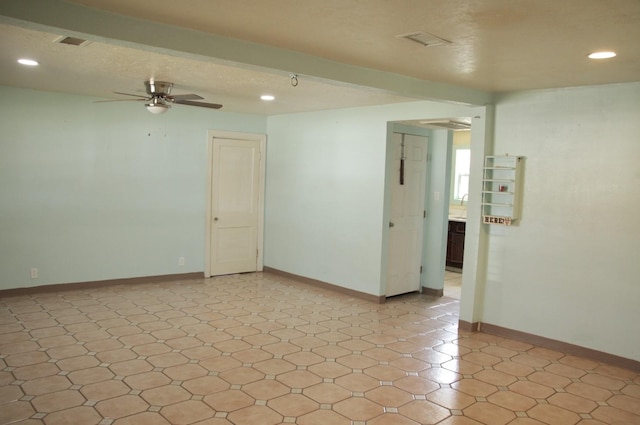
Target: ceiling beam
(98, 25)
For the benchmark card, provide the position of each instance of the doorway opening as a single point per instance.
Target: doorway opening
(407, 213)
(457, 220)
(443, 206)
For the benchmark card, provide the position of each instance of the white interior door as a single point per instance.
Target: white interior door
(407, 214)
(235, 211)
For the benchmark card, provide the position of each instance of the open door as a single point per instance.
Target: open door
(407, 214)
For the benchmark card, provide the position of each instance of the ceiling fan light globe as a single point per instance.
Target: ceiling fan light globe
(157, 108)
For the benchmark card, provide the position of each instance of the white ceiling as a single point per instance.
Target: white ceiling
(345, 52)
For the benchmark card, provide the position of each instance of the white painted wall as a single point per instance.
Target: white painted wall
(102, 191)
(571, 269)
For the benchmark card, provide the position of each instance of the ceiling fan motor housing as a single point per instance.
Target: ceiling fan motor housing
(158, 88)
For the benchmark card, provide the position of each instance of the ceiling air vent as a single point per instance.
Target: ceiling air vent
(72, 41)
(425, 39)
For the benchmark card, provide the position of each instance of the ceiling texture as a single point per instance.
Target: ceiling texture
(345, 53)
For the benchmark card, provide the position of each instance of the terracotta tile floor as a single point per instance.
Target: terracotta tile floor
(452, 284)
(258, 349)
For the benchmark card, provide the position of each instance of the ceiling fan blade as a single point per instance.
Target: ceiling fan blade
(129, 94)
(120, 100)
(201, 104)
(177, 97)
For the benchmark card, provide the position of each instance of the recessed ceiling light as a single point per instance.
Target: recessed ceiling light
(28, 62)
(267, 97)
(602, 55)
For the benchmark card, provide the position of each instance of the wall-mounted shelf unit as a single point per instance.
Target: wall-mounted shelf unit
(501, 189)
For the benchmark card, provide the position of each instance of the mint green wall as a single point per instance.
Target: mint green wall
(324, 196)
(326, 207)
(571, 269)
(102, 191)
(568, 271)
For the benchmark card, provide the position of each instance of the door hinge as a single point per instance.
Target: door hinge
(420, 269)
(424, 213)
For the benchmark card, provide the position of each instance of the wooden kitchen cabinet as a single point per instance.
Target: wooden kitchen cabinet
(455, 244)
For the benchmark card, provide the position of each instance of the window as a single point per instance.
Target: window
(461, 166)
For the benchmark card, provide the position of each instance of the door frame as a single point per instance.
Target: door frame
(232, 135)
(434, 240)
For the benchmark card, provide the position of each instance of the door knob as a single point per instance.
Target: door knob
(215, 219)
(391, 224)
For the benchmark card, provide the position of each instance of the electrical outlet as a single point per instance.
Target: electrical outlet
(181, 261)
(436, 196)
(34, 273)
